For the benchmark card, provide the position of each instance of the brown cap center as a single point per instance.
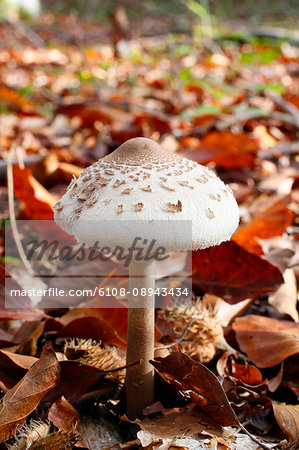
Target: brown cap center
(138, 149)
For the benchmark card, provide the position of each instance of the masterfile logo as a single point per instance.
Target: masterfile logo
(64, 272)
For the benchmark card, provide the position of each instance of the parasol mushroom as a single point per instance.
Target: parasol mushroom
(138, 184)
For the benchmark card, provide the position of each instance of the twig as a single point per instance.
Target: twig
(285, 105)
(292, 36)
(177, 341)
(227, 121)
(49, 95)
(28, 33)
(283, 117)
(255, 439)
(77, 29)
(238, 118)
(286, 148)
(245, 35)
(129, 106)
(11, 208)
(134, 363)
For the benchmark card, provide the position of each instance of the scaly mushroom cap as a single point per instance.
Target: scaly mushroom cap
(140, 181)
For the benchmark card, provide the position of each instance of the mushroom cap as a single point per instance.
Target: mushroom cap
(141, 187)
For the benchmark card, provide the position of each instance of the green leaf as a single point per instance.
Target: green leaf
(200, 111)
(265, 56)
(280, 88)
(182, 50)
(185, 74)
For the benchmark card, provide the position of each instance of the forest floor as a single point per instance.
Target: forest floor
(71, 92)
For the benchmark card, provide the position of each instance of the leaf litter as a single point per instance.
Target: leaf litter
(67, 105)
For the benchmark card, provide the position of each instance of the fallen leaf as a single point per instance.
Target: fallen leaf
(225, 313)
(6, 339)
(63, 415)
(279, 257)
(37, 200)
(285, 298)
(70, 169)
(266, 341)
(114, 318)
(89, 113)
(108, 325)
(13, 367)
(150, 123)
(230, 272)
(248, 374)
(21, 314)
(275, 382)
(224, 148)
(173, 423)
(287, 417)
(249, 401)
(199, 384)
(97, 431)
(271, 218)
(19, 307)
(91, 327)
(75, 380)
(27, 336)
(14, 97)
(23, 398)
(291, 374)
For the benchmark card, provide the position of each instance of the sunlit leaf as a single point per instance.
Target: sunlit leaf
(271, 217)
(232, 273)
(37, 200)
(224, 148)
(266, 341)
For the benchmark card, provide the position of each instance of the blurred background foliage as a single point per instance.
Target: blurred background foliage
(254, 12)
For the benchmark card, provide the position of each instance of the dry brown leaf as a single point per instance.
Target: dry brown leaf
(229, 365)
(98, 431)
(23, 398)
(173, 423)
(226, 313)
(198, 383)
(266, 341)
(287, 417)
(63, 415)
(13, 367)
(91, 327)
(285, 298)
(291, 374)
(275, 382)
(113, 321)
(28, 335)
(75, 380)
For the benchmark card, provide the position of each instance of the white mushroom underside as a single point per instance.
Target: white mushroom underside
(171, 188)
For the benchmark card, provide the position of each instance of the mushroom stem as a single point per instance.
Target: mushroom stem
(141, 337)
